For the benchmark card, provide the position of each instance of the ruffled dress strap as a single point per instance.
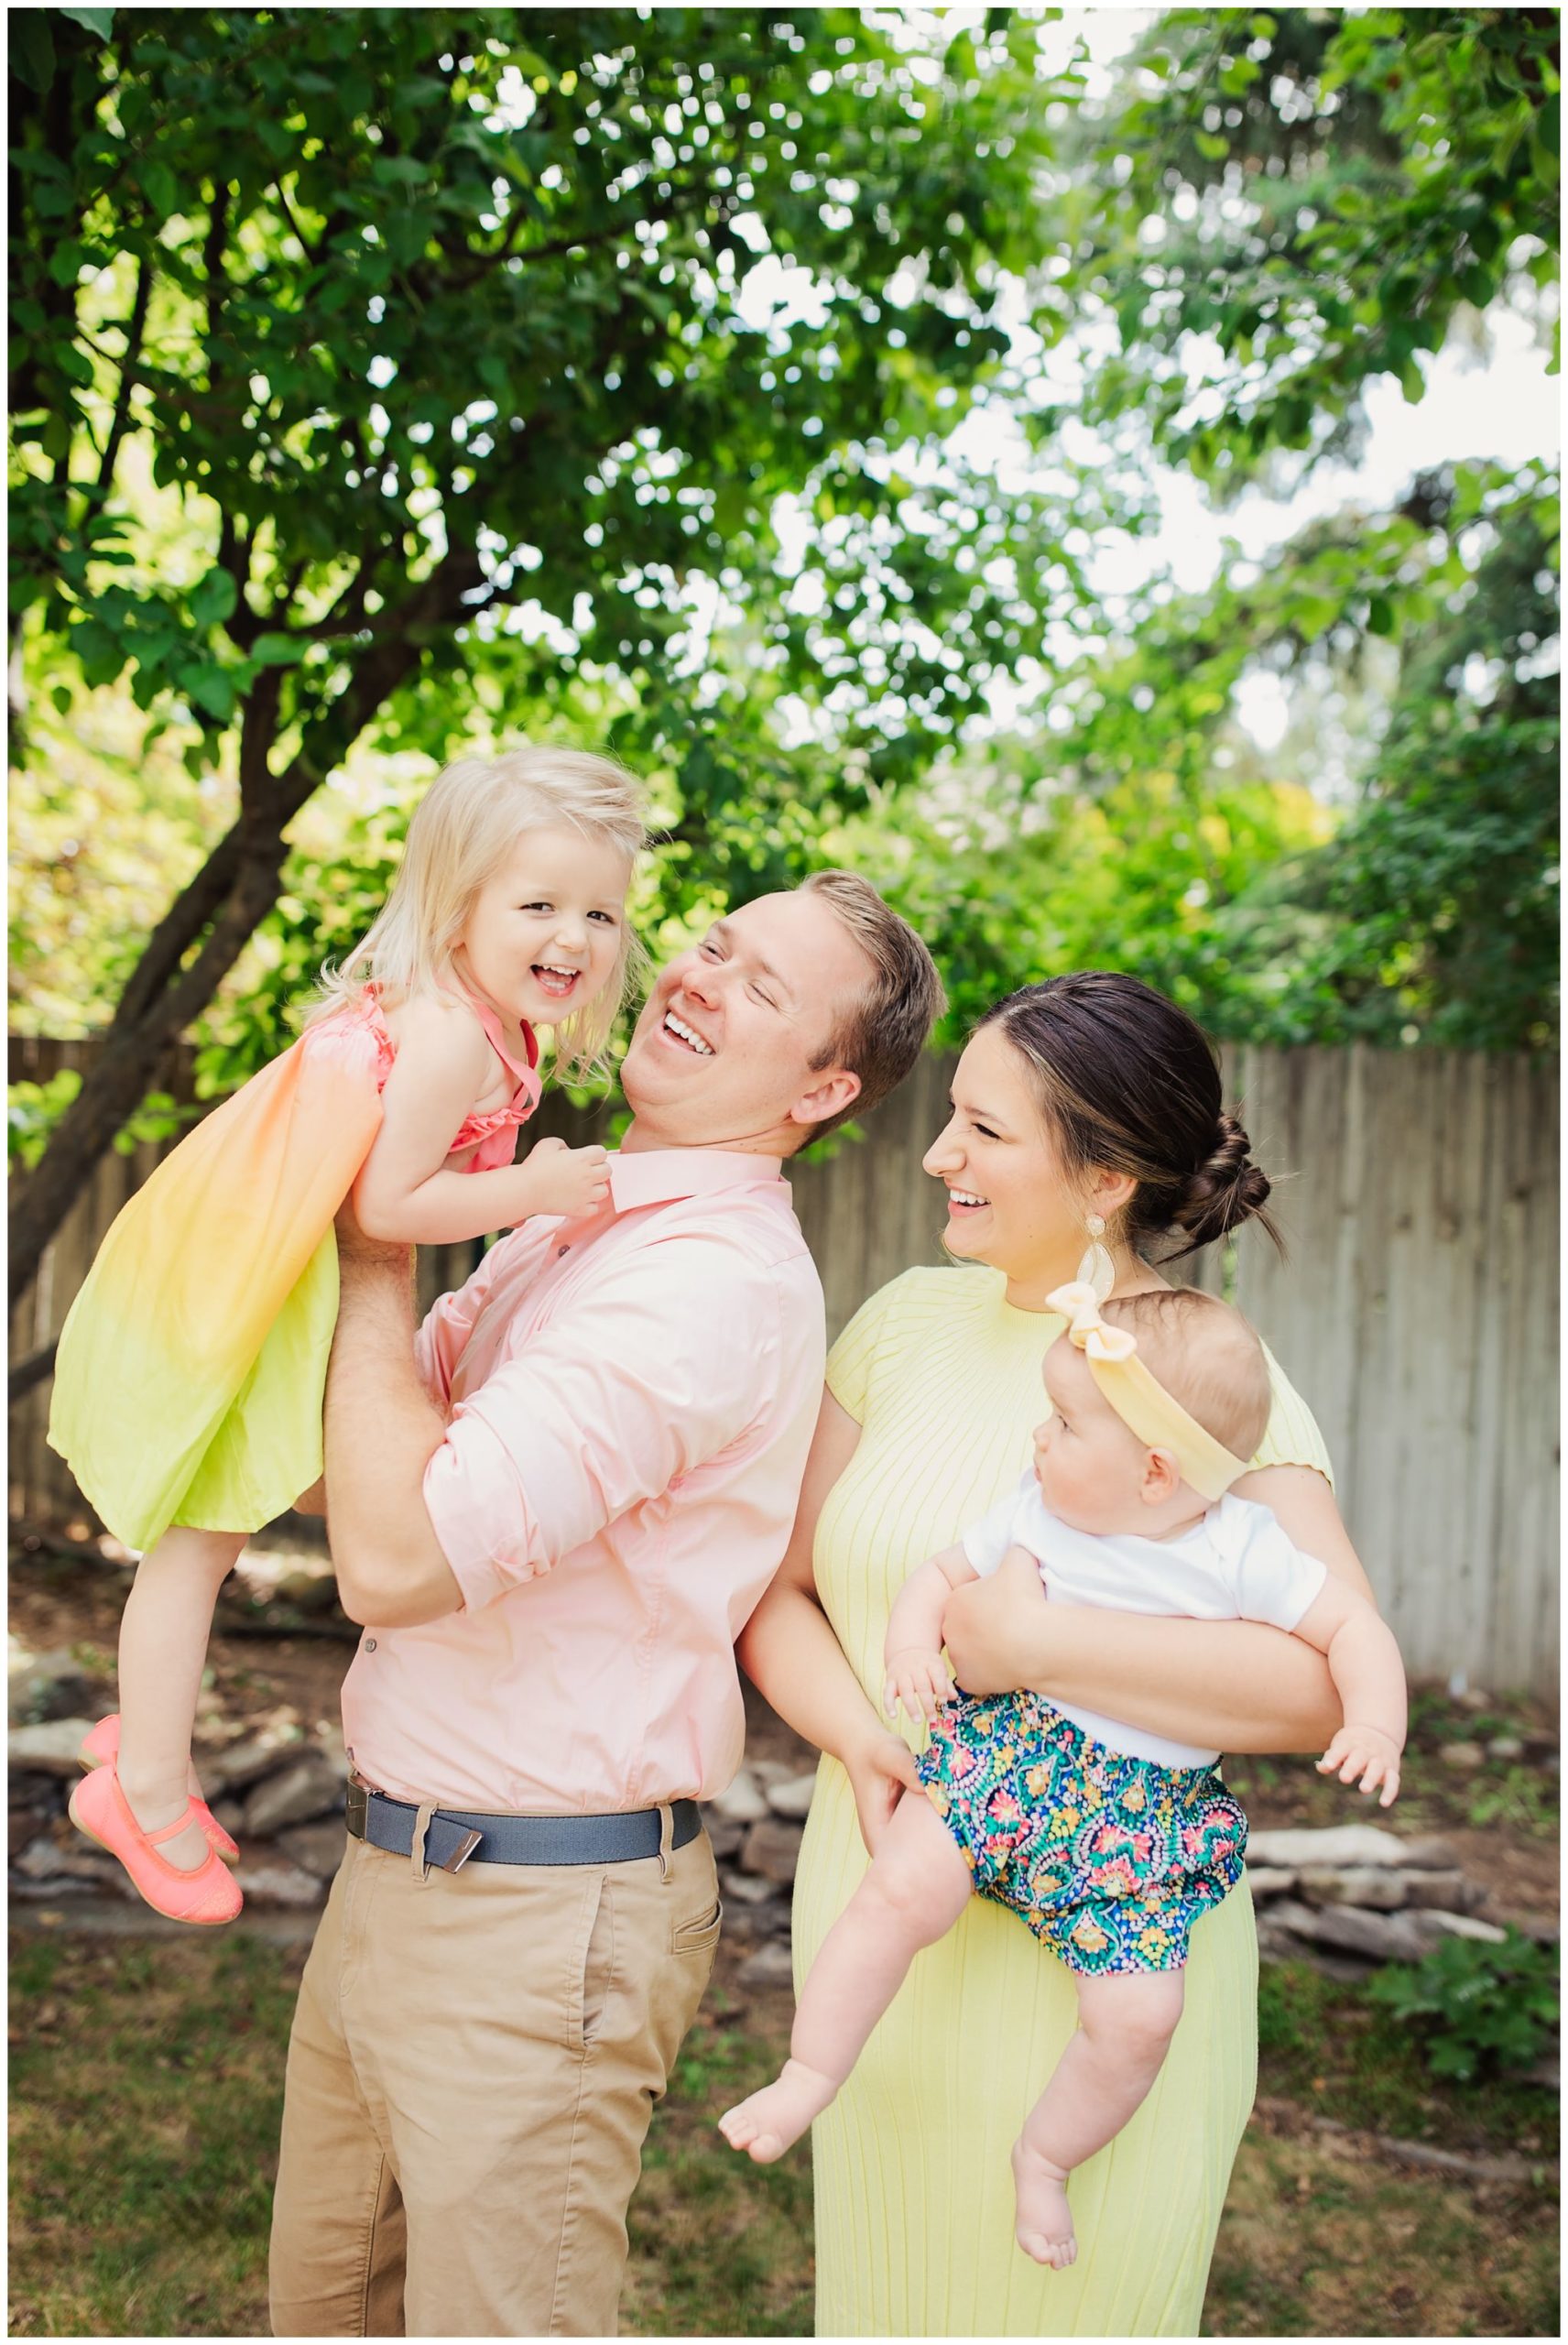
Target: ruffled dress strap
(493, 1135)
(523, 1069)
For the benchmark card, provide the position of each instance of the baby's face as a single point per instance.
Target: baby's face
(1089, 1465)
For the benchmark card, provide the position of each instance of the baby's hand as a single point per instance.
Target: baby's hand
(918, 1682)
(1367, 1753)
(566, 1181)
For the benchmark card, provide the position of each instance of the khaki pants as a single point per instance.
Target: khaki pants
(474, 2060)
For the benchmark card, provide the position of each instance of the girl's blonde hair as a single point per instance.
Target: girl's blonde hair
(463, 829)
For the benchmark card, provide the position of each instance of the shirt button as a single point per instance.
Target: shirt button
(560, 1251)
(370, 1644)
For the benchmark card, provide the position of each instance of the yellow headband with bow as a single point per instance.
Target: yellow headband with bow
(1141, 1400)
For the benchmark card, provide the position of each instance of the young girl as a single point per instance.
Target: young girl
(190, 1373)
(1107, 1841)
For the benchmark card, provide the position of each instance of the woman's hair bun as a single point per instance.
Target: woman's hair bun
(1227, 1189)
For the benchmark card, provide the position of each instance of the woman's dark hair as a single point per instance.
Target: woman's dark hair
(1129, 1082)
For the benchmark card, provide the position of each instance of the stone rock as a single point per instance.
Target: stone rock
(1339, 1845)
(28, 1788)
(275, 1882)
(770, 1966)
(307, 1787)
(745, 1886)
(772, 1848)
(318, 1847)
(1376, 1938)
(51, 1748)
(722, 1838)
(231, 1767)
(306, 1591)
(229, 1814)
(1448, 1889)
(747, 1925)
(24, 1826)
(771, 1771)
(42, 1686)
(1457, 1925)
(1430, 1853)
(792, 1796)
(1379, 1886)
(1271, 1880)
(1463, 1755)
(45, 1861)
(742, 1803)
(1505, 1746)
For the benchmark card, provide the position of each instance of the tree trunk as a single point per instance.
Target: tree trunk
(233, 890)
(118, 1082)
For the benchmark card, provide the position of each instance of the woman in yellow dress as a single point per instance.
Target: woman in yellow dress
(1089, 1099)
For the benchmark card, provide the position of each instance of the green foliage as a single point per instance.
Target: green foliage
(1479, 2006)
(423, 328)
(32, 1111)
(388, 382)
(1329, 190)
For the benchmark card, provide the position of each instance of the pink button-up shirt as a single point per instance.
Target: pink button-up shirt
(632, 1397)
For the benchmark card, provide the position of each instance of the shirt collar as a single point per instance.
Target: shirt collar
(657, 1176)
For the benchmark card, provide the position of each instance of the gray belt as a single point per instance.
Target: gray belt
(454, 1835)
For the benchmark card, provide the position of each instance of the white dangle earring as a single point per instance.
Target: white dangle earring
(1097, 1269)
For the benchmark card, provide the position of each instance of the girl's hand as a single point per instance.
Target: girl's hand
(880, 1773)
(917, 1682)
(556, 1179)
(1364, 1754)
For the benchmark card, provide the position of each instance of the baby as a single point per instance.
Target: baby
(1109, 1842)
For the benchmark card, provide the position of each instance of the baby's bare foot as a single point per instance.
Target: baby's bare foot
(772, 2119)
(1044, 2221)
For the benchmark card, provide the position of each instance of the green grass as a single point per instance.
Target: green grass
(146, 2085)
(1325, 2044)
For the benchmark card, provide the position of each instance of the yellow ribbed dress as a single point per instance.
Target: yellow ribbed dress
(914, 2195)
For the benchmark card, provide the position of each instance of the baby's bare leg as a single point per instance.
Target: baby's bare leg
(163, 1650)
(916, 1887)
(1125, 2026)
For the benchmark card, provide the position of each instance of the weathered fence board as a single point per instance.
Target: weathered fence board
(1416, 1312)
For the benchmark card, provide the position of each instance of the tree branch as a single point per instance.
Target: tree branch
(30, 1371)
(127, 363)
(311, 251)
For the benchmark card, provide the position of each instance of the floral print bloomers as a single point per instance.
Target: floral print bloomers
(1110, 1860)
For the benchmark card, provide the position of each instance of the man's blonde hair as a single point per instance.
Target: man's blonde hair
(881, 1034)
(1206, 1357)
(463, 828)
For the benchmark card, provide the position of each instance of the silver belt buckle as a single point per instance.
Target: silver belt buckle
(356, 1807)
(463, 1851)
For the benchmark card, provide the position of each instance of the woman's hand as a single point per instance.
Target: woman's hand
(880, 1771)
(995, 1628)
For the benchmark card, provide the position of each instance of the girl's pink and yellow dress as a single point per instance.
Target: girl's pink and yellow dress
(189, 1382)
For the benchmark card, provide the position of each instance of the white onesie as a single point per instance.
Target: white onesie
(1236, 1563)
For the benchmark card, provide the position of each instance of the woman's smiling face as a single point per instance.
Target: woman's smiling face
(1010, 1202)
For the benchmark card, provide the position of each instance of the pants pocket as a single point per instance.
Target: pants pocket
(700, 1933)
(593, 1967)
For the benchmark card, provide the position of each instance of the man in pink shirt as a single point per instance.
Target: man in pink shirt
(554, 1513)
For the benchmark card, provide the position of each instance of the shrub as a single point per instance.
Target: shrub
(1477, 2005)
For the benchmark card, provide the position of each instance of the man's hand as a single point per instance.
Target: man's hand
(1366, 1755)
(917, 1682)
(880, 1771)
(995, 1630)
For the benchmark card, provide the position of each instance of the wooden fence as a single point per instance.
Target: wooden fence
(1416, 1312)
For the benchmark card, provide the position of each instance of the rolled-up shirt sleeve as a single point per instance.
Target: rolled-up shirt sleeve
(660, 1367)
(447, 1326)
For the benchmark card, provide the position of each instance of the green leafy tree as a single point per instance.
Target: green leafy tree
(1323, 194)
(445, 332)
